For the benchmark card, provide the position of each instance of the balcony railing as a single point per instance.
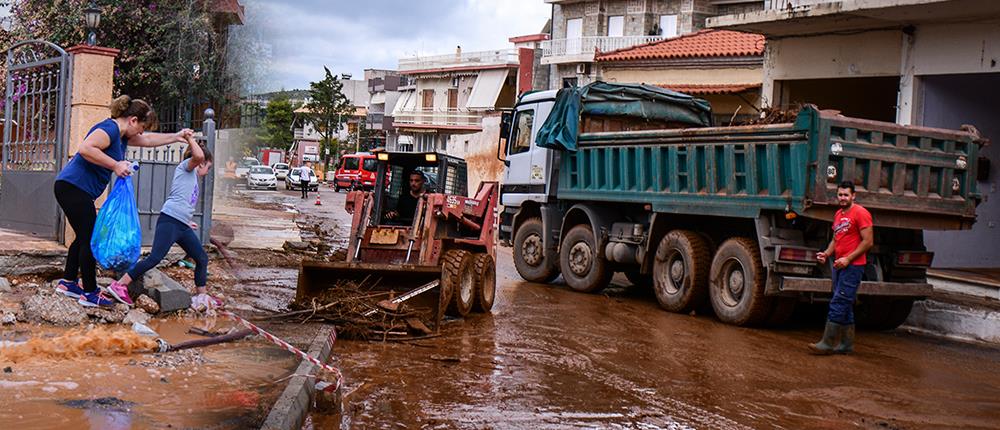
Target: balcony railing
(791, 4)
(466, 59)
(439, 117)
(586, 46)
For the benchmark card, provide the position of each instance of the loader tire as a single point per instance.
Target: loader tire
(736, 283)
(680, 271)
(581, 263)
(531, 260)
(457, 277)
(485, 283)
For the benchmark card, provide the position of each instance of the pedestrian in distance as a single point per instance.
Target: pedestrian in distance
(305, 176)
(176, 225)
(853, 236)
(230, 175)
(84, 179)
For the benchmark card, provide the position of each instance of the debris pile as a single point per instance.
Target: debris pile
(773, 116)
(360, 312)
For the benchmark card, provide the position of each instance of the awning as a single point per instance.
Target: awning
(486, 89)
(377, 99)
(407, 102)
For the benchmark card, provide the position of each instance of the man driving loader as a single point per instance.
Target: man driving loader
(406, 206)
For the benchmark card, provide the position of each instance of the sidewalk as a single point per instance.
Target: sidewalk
(257, 224)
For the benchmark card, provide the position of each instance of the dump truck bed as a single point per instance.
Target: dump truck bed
(912, 177)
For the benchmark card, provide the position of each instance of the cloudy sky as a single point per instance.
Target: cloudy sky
(349, 36)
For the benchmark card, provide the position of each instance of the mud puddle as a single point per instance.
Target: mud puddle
(551, 358)
(222, 386)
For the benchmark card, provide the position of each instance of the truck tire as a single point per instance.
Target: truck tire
(680, 271)
(736, 283)
(882, 313)
(529, 253)
(485, 282)
(457, 278)
(580, 262)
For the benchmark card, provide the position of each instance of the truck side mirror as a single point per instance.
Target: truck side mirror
(506, 119)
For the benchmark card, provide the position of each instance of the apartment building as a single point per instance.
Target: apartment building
(384, 89)
(583, 28)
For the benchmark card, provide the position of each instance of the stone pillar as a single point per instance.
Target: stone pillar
(91, 85)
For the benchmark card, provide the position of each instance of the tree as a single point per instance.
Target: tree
(328, 110)
(276, 130)
(171, 50)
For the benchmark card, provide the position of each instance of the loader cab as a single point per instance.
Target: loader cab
(444, 174)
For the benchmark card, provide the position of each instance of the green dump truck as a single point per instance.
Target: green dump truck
(635, 179)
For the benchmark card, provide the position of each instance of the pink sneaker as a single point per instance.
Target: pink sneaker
(119, 291)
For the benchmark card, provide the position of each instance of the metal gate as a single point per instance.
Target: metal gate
(156, 174)
(33, 137)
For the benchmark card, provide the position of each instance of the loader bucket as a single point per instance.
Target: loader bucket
(318, 276)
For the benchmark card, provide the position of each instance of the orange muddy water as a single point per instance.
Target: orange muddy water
(72, 381)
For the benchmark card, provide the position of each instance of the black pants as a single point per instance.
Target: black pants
(305, 189)
(82, 214)
(168, 232)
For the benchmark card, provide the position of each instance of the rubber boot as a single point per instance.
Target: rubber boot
(846, 340)
(825, 345)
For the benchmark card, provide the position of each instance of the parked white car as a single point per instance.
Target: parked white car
(262, 177)
(281, 170)
(292, 180)
(244, 166)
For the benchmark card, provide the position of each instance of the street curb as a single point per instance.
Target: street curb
(289, 411)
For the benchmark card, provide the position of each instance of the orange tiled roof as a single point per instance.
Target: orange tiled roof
(709, 88)
(704, 43)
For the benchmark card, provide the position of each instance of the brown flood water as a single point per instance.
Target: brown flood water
(228, 386)
(551, 358)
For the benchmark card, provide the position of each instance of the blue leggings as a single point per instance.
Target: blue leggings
(168, 232)
(845, 290)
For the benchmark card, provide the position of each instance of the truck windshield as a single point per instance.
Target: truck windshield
(370, 164)
(350, 163)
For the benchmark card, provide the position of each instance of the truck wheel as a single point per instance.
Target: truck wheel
(882, 313)
(457, 272)
(580, 262)
(782, 311)
(485, 282)
(529, 253)
(737, 281)
(680, 271)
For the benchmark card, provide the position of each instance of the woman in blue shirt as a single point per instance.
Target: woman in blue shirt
(86, 176)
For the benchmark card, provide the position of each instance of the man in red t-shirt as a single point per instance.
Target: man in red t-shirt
(852, 238)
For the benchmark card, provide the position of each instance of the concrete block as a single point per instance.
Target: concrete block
(169, 294)
(290, 411)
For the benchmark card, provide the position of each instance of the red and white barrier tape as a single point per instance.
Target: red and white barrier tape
(324, 386)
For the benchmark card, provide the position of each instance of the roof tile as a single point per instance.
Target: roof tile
(704, 43)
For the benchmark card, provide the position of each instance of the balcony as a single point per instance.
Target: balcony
(790, 4)
(466, 60)
(375, 121)
(581, 50)
(453, 119)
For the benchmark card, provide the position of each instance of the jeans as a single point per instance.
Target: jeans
(82, 215)
(305, 189)
(169, 231)
(845, 290)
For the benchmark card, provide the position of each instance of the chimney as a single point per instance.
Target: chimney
(458, 53)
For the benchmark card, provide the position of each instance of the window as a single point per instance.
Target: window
(668, 25)
(370, 165)
(261, 169)
(569, 82)
(522, 132)
(616, 26)
(350, 163)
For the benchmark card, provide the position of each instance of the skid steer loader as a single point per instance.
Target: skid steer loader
(443, 255)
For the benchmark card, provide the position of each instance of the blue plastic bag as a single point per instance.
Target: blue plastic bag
(117, 239)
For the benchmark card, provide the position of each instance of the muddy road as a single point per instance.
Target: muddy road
(548, 357)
